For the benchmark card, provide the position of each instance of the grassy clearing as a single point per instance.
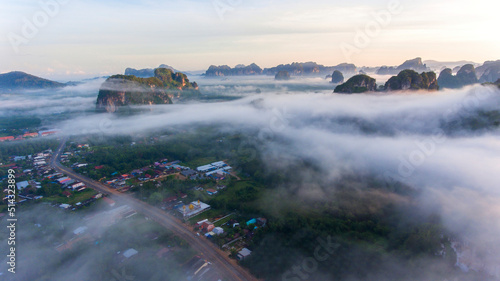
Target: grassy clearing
(199, 162)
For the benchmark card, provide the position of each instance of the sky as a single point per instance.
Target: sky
(71, 39)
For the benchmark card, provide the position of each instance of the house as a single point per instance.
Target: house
(201, 222)
(211, 191)
(188, 173)
(252, 221)
(76, 185)
(207, 226)
(218, 230)
(244, 253)
(22, 185)
(262, 221)
(130, 252)
(63, 180)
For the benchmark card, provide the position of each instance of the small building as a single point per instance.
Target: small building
(218, 230)
(244, 253)
(76, 185)
(63, 180)
(252, 221)
(188, 173)
(201, 222)
(22, 185)
(207, 226)
(211, 191)
(130, 252)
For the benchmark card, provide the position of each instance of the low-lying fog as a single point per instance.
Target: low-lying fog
(441, 143)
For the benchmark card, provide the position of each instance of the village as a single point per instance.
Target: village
(29, 135)
(38, 182)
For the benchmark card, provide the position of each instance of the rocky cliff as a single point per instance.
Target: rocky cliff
(466, 75)
(337, 77)
(122, 90)
(282, 75)
(489, 71)
(357, 84)
(411, 80)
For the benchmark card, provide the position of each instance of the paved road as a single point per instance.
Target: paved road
(227, 267)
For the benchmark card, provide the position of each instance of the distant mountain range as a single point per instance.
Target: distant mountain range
(413, 64)
(147, 72)
(239, 70)
(295, 69)
(488, 72)
(17, 80)
(453, 65)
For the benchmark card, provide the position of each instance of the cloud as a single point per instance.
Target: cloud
(444, 145)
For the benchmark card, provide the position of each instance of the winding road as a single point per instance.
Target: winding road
(226, 267)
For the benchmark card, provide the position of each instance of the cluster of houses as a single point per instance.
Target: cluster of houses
(34, 166)
(66, 182)
(217, 170)
(163, 168)
(209, 230)
(29, 135)
(160, 169)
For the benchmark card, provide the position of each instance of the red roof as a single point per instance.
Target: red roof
(99, 167)
(30, 135)
(6, 138)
